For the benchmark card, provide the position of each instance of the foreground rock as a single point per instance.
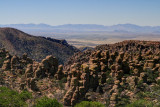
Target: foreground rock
(112, 74)
(22, 73)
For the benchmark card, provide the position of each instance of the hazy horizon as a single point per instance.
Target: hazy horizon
(60, 12)
(142, 17)
(78, 24)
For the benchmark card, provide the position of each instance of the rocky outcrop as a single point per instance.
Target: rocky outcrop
(107, 74)
(117, 69)
(24, 73)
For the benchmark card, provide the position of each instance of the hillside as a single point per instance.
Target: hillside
(122, 74)
(116, 74)
(18, 43)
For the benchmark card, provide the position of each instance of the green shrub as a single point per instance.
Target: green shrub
(144, 94)
(24, 95)
(151, 75)
(110, 81)
(47, 102)
(140, 84)
(2, 75)
(1, 61)
(140, 103)
(158, 82)
(10, 98)
(124, 100)
(108, 73)
(89, 104)
(61, 82)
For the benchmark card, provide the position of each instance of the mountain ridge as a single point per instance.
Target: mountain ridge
(88, 27)
(18, 43)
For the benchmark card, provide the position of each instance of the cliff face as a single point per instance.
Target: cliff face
(37, 48)
(114, 75)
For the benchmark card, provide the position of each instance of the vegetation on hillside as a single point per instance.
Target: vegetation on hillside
(18, 43)
(47, 102)
(89, 104)
(10, 98)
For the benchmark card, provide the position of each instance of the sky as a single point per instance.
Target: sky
(59, 12)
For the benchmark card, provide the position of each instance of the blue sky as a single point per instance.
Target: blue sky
(58, 12)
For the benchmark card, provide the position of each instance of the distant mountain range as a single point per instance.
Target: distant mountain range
(123, 28)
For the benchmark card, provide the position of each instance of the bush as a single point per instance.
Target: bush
(140, 103)
(140, 84)
(122, 101)
(47, 102)
(10, 98)
(24, 95)
(110, 81)
(2, 75)
(108, 73)
(89, 104)
(158, 82)
(1, 61)
(61, 82)
(152, 75)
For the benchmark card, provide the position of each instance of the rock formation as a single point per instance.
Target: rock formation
(107, 74)
(121, 66)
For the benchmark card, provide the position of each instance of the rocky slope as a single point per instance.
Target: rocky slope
(111, 73)
(114, 75)
(18, 42)
(39, 78)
